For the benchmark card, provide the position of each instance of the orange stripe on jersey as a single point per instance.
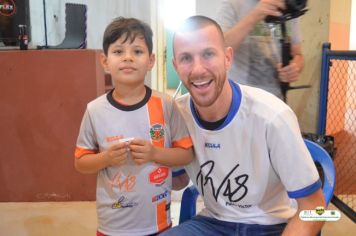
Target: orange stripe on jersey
(79, 152)
(183, 143)
(161, 216)
(155, 112)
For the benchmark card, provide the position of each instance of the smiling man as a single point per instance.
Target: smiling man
(250, 157)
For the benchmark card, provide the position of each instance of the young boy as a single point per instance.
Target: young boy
(130, 136)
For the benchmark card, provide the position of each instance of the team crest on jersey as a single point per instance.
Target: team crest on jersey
(156, 132)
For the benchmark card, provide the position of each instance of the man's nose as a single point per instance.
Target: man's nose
(198, 67)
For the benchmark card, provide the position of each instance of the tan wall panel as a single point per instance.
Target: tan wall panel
(315, 31)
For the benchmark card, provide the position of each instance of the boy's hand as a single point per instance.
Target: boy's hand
(117, 154)
(142, 151)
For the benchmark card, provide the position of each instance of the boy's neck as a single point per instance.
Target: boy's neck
(127, 95)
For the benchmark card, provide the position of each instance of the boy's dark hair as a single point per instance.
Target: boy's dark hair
(130, 28)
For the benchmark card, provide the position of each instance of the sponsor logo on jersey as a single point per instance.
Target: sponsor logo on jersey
(156, 132)
(159, 175)
(7, 7)
(160, 196)
(113, 138)
(123, 202)
(125, 183)
(212, 145)
(238, 205)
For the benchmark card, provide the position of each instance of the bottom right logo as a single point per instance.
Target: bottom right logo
(320, 214)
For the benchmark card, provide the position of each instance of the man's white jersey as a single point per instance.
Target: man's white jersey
(132, 199)
(248, 169)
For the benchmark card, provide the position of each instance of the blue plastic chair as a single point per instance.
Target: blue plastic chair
(319, 155)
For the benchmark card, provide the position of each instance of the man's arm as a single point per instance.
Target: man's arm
(298, 227)
(235, 35)
(179, 182)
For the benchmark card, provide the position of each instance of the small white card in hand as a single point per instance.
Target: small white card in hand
(124, 140)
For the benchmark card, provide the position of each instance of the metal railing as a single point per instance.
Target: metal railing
(337, 117)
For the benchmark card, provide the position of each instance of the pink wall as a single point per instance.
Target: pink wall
(43, 97)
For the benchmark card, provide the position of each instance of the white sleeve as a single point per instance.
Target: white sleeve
(86, 138)
(179, 131)
(290, 157)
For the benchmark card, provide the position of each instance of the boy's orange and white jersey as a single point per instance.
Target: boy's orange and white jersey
(132, 199)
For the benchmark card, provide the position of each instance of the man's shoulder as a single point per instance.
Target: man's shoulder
(259, 100)
(183, 101)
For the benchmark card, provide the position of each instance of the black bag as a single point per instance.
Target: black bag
(325, 141)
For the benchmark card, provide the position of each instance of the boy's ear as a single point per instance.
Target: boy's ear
(104, 62)
(152, 60)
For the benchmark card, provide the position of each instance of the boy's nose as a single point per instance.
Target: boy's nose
(128, 56)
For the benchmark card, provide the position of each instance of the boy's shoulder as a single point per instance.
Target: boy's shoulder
(165, 97)
(97, 102)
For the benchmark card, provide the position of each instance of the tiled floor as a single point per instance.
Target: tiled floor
(79, 219)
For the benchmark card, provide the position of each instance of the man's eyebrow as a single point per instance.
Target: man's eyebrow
(183, 53)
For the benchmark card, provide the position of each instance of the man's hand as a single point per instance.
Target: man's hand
(269, 8)
(289, 73)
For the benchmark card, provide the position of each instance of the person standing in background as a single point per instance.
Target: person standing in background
(257, 50)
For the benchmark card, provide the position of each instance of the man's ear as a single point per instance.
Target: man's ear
(229, 56)
(174, 63)
(104, 62)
